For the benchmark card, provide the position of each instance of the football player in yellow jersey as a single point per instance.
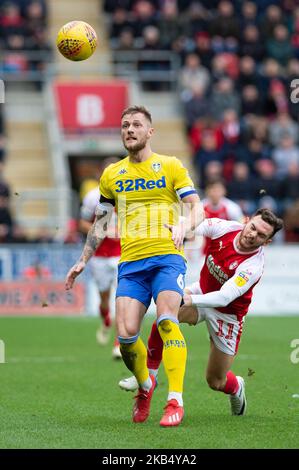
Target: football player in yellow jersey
(146, 189)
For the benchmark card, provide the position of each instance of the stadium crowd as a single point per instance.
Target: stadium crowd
(23, 32)
(238, 60)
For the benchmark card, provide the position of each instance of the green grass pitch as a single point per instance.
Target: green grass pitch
(59, 389)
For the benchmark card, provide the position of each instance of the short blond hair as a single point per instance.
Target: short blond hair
(138, 109)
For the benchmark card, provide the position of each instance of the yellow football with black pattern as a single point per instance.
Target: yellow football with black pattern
(76, 40)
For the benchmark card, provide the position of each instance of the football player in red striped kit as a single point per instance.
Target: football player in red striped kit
(233, 266)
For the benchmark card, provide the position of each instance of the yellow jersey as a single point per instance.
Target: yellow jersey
(146, 196)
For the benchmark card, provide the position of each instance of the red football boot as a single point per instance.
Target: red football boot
(173, 414)
(142, 404)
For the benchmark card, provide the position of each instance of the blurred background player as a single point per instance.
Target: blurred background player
(216, 205)
(233, 266)
(103, 264)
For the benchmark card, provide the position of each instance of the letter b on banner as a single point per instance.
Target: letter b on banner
(90, 110)
(2, 352)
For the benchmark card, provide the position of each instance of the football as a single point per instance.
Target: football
(76, 40)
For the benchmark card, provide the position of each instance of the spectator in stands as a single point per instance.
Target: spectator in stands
(124, 43)
(196, 107)
(202, 47)
(120, 22)
(203, 127)
(169, 25)
(267, 183)
(241, 188)
(254, 151)
(286, 154)
(248, 14)
(277, 100)
(40, 45)
(269, 71)
(252, 44)
(43, 4)
(35, 17)
(111, 5)
(224, 97)
(208, 152)
(153, 64)
(144, 15)
(290, 185)
(283, 125)
(11, 21)
(294, 28)
(251, 102)
(228, 58)
(256, 127)
(15, 61)
(218, 67)
(279, 46)
(247, 73)
(193, 74)
(213, 171)
(195, 19)
(225, 23)
(230, 127)
(272, 17)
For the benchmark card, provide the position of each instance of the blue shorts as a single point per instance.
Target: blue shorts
(146, 278)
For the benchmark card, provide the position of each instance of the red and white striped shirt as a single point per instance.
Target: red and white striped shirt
(228, 275)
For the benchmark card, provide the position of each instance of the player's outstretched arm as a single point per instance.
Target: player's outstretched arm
(244, 278)
(95, 236)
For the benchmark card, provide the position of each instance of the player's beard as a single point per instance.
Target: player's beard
(135, 146)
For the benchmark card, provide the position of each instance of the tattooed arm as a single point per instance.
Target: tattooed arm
(95, 236)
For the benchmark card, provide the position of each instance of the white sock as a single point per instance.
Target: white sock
(154, 372)
(177, 396)
(147, 384)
